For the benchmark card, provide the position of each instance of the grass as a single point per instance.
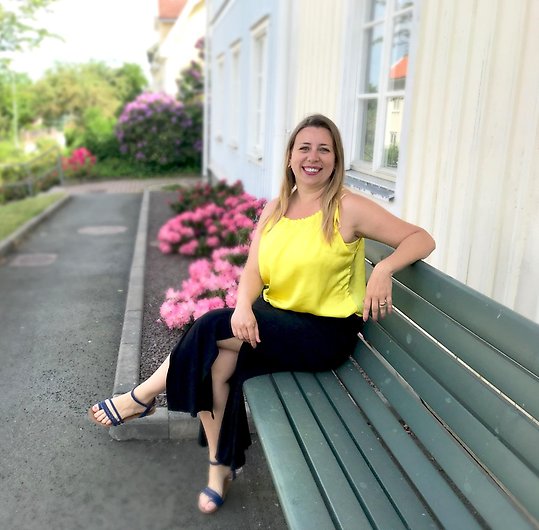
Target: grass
(15, 214)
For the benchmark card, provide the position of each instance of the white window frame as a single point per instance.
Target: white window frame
(258, 83)
(235, 95)
(219, 97)
(374, 173)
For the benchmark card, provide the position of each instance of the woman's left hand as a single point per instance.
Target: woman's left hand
(378, 300)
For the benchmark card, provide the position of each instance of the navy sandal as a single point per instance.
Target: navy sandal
(114, 416)
(217, 499)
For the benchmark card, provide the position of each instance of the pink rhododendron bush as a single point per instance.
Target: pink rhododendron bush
(208, 227)
(191, 197)
(218, 227)
(212, 284)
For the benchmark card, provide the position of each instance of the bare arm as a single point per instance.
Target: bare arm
(411, 243)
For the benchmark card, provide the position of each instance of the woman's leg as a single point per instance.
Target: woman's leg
(222, 370)
(145, 392)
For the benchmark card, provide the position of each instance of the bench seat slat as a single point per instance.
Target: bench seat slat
(513, 334)
(503, 420)
(326, 470)
(494, 506)
(443, 501)
(366, 486)
(501, 371)
(303, 505)
(398, 490)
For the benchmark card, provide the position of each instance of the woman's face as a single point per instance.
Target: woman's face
(313, 157)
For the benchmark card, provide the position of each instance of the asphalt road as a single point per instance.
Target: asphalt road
(62, 300)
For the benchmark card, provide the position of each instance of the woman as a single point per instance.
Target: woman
(307, 260)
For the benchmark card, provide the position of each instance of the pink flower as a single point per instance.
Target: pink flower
(212, 241)
(207, 304)
(189, 249)
(231, 298)
(165, 248)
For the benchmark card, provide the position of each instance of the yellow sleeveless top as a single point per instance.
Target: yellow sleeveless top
(302, 272)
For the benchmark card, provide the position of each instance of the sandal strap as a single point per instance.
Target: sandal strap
(147, 406)
(213, 496)
(115, 417)
(234, 472)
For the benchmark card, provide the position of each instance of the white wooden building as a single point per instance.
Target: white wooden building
(437, 101)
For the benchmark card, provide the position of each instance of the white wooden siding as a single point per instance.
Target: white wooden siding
(317, 57)
(471, 167)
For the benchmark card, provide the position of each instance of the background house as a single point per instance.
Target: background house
(438, 104)
(179, 25)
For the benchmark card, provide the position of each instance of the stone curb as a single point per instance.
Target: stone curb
(164, 424)
(11, 242)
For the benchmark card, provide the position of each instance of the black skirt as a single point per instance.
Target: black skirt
(290, 341)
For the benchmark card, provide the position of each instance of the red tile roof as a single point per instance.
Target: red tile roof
(399, 69)
(170, 8)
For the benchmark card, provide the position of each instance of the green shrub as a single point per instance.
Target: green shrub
(97, 133)
(30, 176)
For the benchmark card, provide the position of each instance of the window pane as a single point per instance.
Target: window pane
(377, 9)
(399, 52)
(402, 4)
(367, 128)
(392, 131)
(375, 40)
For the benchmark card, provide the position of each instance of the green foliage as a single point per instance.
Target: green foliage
(19, 180)
(16, 213)
(9, 154)
(392, 156)
(17, 24)
(129, 82)
(96, 132)
(22, 85)
(66, 91)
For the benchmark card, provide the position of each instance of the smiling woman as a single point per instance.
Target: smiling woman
(286, 318)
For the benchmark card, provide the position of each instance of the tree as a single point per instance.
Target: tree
(129, 81)
(17, 28)
(25, 100)
(66, 91)
(17, 33)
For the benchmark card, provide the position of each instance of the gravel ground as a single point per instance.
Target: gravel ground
(161, 272)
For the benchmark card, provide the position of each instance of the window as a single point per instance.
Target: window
(235, 95)
(257, 116)
(386, 32)
(218, 98)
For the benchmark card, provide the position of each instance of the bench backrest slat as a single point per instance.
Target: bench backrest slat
(493, 505)
(474, 362)
(502, 418)
(513, 334)
(461, 403)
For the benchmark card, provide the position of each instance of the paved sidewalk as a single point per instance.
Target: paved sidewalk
(63, 295)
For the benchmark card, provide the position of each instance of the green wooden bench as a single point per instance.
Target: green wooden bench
(432, 423)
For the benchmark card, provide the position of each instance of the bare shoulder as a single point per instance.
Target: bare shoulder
(354, 205)
(269, 209)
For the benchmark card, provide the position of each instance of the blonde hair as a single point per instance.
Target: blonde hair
(333, 190)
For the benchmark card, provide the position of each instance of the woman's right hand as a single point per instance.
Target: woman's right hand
(244, 325)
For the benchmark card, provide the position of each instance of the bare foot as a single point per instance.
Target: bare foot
(219, 481)
(121, 407)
